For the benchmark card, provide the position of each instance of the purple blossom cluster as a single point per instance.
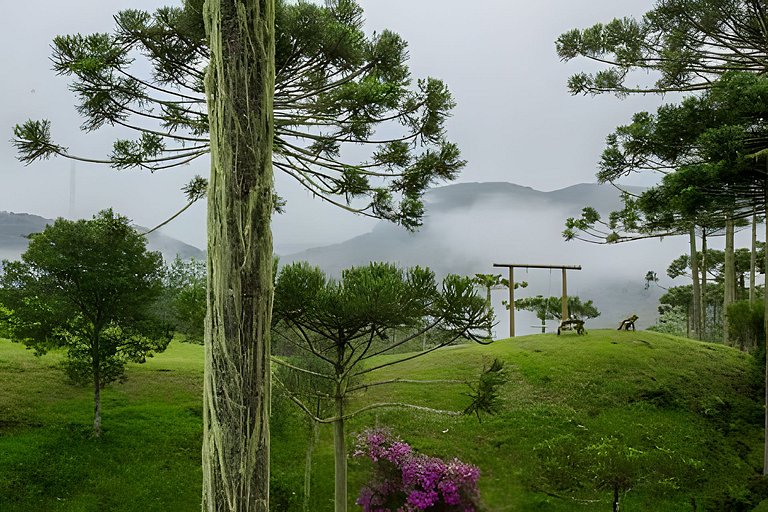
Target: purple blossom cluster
(404, 481)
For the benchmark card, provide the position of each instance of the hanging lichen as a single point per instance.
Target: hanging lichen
(240, 89)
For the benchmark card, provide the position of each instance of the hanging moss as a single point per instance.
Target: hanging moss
(240, 90)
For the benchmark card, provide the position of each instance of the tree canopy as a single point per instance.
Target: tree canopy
(549, 308)
(710, 151)
(338, 92)
(278, 84)
(685, 44)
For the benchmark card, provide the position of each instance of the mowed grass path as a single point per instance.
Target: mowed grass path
(696, 401)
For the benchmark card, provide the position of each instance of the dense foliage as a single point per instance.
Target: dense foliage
(183, 299)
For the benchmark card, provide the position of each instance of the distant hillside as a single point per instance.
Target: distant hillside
(15, 227)
(468, 195)
(471, 226)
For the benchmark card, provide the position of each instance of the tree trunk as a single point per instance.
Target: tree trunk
(314, 431)
(753, 258)
(488, 301)
(703, 299)
(696, 292)
(616, 497)
(340, 459)
(239, 86)
(729, 281)
(96, 365)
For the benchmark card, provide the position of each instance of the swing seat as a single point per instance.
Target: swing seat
(572, 324)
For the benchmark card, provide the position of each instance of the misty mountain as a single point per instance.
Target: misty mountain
(15, 227)
(471, 226)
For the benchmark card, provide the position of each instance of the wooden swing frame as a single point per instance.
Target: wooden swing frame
(513, 266)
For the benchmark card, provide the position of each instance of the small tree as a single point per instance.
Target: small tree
(343, 325)
(490, 282)
(183, 299)
(88, 286)
(548, 308)
(571, 464)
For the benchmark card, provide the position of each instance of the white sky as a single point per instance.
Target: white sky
(515, 120)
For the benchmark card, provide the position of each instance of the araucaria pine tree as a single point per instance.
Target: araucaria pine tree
(260, 86)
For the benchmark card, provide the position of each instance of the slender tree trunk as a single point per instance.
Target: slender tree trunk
(313, 433)
(340, 459)
(96, 362)
(753, 258)
(696, 285)
(729, 281)
(488, 301)
(703, 299)
(239, 86)
(616, 498)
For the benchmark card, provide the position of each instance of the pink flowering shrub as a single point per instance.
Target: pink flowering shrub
(404, 481)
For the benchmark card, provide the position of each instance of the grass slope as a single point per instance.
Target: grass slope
(683, 412)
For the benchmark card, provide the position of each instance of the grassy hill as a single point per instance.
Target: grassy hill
(680, 420)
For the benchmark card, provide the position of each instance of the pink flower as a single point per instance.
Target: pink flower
(404, 481)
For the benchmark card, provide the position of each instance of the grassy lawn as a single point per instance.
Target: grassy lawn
(147, 459)
(688, 405)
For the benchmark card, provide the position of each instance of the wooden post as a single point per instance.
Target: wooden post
(511, 302)
(564, 311)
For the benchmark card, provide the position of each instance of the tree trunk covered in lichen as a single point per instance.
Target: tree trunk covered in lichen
(240, 89)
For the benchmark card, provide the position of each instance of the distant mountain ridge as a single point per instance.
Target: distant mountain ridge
(462, 195)
(16, 227)
(467, 228)
(470, 226)
(387, 240)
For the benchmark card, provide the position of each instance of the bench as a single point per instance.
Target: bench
(627, 323)
(572, 324)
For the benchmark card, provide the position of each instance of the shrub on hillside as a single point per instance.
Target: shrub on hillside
(745, 324)
(410, 482)
(672, 320)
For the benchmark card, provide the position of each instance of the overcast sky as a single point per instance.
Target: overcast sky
(515, 120)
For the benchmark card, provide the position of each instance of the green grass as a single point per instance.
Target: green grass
(690, 405)
(147, 459)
